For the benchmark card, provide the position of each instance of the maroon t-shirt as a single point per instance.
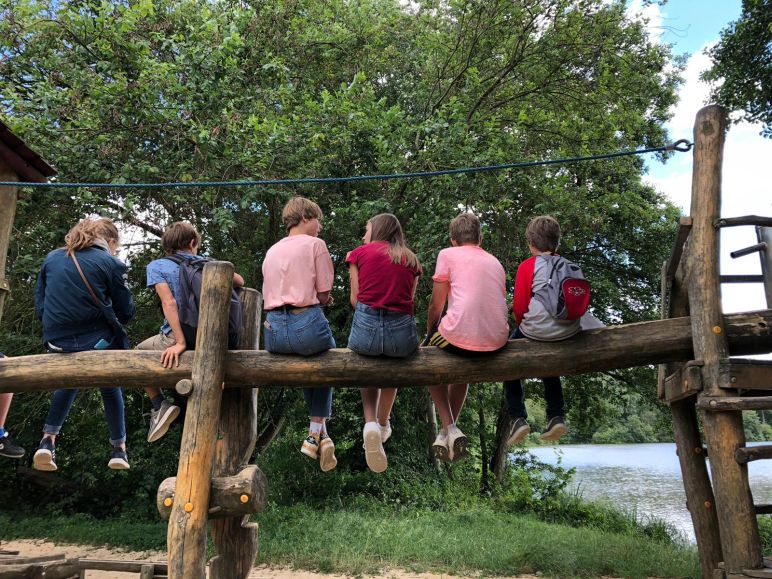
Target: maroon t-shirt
(383, 284)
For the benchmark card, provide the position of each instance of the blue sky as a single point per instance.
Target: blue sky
(690, 26)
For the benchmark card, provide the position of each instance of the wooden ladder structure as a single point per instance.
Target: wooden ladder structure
(713, 383)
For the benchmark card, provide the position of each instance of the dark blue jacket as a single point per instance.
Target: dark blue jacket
(64, 304)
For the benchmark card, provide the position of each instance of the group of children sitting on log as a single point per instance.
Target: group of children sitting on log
(82, 298)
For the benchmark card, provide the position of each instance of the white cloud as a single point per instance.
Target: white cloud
(651, 15)
(746, 183)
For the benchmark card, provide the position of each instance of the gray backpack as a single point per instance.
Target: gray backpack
(566, 296)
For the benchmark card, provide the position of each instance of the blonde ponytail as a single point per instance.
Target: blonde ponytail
(87, 231)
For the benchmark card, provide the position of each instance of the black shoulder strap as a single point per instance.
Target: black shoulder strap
(174, 258)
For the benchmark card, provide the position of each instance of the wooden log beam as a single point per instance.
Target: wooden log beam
(737, 403)
(7, 213)
(186, 536)
(723, 430)
(608, 348)
(232, 496)
(235, 537)
(747, 454)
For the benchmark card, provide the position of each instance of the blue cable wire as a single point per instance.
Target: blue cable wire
(681, 145)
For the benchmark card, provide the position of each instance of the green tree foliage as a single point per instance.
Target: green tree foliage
(742, 65)
(156, 90)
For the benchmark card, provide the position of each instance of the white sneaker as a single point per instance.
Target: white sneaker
(374, 453)
(385, 431)
(440, 447)
(161, 419)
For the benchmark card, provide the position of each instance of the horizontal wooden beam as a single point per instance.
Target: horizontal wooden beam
(746, 374)
(746, 454)
(625, 346)
(735, 403)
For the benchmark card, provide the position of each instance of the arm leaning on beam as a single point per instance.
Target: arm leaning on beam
(608, 348)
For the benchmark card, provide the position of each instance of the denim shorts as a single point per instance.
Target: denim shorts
(305, 333)
(378, 332)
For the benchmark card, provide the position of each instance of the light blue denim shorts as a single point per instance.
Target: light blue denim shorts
(379, 332)
(305, 333)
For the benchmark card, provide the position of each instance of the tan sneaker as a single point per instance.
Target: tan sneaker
(374, 453)
(327, 460)
(310, 447)
(440, 447)
(556, 427)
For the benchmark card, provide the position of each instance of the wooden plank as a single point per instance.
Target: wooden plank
(744, 220)
(684, 382)
(234, 537)
(241, 494)
(120, 566)
(723, 430)
(623, 346)
(186, 536)
(741, 278)
(748, 454)
(25, 560)
(684, 228)
(735, 403)
(746, 374)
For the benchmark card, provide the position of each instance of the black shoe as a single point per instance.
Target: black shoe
(45, 456)
(556, 427)
(9, 449)
(518, 431)
(119, 460)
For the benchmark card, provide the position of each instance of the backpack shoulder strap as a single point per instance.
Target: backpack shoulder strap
(174, 258)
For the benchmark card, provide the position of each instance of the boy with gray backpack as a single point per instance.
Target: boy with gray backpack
(551, 295)
(176, 278)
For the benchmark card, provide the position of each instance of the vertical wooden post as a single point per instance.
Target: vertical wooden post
(186, 537)
(235, 538)
(7, 213)
(723, 430)
(694, 472)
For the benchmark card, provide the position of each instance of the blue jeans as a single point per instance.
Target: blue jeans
(62, 400)
(305, 333)
(553, 393)
(379, 332)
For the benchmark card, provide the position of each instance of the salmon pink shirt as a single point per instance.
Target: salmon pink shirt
(476, 318)
(296, 269)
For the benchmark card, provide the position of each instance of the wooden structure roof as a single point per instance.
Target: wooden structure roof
(27, 164)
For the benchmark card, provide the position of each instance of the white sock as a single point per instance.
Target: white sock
(324, 428)
(315, 428)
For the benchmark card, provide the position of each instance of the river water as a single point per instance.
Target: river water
(645, 478)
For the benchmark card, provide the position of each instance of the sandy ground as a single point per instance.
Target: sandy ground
(31, 547)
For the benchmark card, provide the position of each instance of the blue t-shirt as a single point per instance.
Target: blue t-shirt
(166, 271)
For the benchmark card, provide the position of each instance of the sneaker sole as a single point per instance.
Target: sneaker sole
(519, 436)
(555, 433)
(7, 454)
(163, 424)
(118, 464)
(441, 452)
(374, 453)
(459, 448)
(311, 453)
(43, 460)
(327, 460)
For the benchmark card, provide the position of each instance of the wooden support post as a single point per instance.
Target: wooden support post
(186, 536)
(235, 538)
(694, 471)
(7, 213)
(723, 430)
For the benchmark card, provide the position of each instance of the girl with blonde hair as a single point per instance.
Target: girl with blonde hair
(82, 299)
(384, 275)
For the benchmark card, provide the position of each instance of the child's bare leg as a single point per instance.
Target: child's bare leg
(369, 403)
(5, 405)
(385, 404)
(442, 404)
(457, 397)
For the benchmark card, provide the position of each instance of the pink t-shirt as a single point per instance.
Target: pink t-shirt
(294, 270)
(476, 318)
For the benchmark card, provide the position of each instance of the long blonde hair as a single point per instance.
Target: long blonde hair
(87, 231)
(386, 227)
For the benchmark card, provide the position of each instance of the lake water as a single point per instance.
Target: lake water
(641, 477)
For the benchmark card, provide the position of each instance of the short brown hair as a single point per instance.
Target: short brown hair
(543, 232)
(465, 229)
(178, 236)
(297, 209)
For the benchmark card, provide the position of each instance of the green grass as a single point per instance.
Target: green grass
(360, 542)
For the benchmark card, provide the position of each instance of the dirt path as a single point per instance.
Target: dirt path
(32, 547)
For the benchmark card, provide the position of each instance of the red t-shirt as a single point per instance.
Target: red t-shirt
(383, 284)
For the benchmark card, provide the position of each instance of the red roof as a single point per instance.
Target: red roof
(27, 164)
